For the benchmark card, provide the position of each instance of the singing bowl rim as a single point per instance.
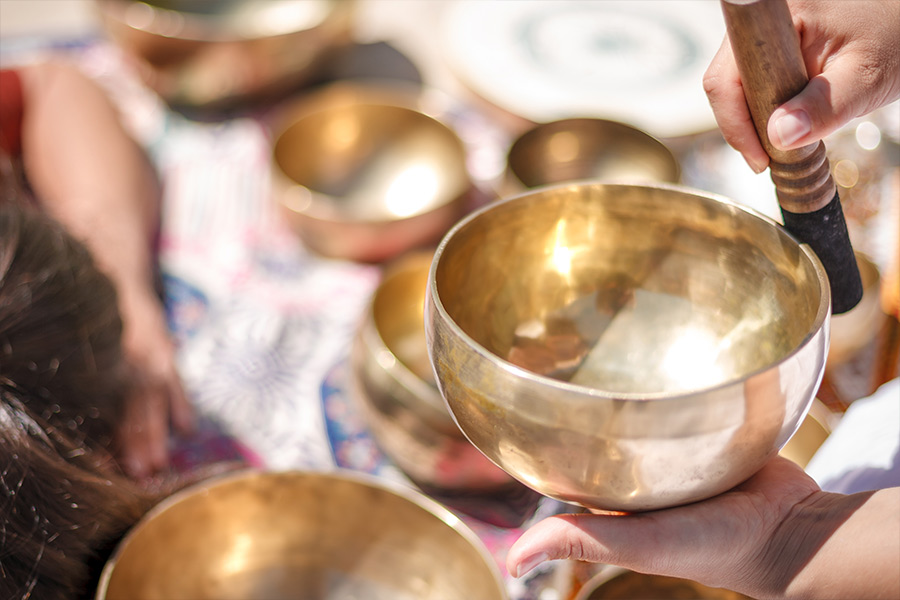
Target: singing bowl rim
(395, 488)
(544, 382)
(197, 27)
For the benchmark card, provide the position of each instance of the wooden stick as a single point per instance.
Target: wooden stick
(766, 48)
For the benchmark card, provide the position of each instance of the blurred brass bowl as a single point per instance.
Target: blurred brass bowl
(586, 148)
(614, 583)
(219, 53)
(394, 385)
(855, 329)
(287, 535)
(366, 174)
(812, 433)
(626, 347)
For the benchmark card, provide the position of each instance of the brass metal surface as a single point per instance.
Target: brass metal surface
(853, 330)
(364, 174)
(392, 380)
(615, 583)
(300, 535)
(812, 433)
(582, 148)
(679, 337)
(213, 55)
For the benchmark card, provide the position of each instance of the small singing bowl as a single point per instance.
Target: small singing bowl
(626, 347)
(588, 148)
(366, 174)
(392, 381)
(293, 534)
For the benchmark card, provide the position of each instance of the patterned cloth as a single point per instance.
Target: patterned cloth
(262, 325)
(258, 320)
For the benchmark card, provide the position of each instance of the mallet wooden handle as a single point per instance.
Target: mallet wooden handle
(766, 48)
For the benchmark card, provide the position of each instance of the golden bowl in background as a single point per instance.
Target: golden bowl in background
(812, 433)
(626, 347)
(316, 536)
(217, 54)
(392, 381)
(855, 329)
(363, 173)
(588, 148)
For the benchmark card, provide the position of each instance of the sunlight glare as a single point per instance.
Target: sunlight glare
(413, 189)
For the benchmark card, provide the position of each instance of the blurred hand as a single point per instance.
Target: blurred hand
(769, 537)
(852, 56)
(109, 198)
(158, 400)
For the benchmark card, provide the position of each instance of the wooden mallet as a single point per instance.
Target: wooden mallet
(766, 47)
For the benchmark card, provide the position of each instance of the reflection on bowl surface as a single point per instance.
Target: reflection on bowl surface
(626, 347)
(363, 174)
(581, 148)
(300, 535)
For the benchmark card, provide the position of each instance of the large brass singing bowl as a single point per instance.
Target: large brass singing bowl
(304, 536)
(626, 347)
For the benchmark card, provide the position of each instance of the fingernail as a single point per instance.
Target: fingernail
(529, 564)
(758, 167)
(792, 126)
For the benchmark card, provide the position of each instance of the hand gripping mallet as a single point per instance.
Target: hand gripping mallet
(766, 47)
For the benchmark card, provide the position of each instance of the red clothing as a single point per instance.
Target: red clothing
(11, 111)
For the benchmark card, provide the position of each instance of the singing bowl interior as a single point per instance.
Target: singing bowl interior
(366, 175)
(300, 535)
(583, 148)
(626, 347)
(395, 387)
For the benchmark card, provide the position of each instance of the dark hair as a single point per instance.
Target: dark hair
(63, 381)
(60, 329)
